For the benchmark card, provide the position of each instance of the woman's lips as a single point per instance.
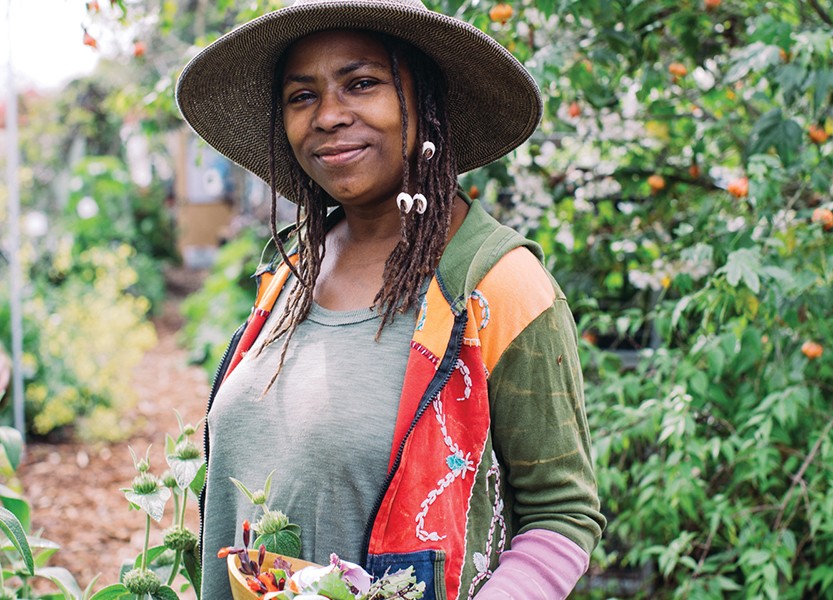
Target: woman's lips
(333, 157)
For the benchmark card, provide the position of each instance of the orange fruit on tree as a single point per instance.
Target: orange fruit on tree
(677, 69)
(574, 110)
(139, 49)
(694, 170)
(824, 216)
(739, 187)
(817, 134)
(711, 4)
(656, 182)
(500, 13)
(474, 192)
(811, 349)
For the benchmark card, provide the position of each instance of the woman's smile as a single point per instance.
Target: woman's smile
(340, 155)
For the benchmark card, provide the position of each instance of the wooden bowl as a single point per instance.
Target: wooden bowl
(239, 589)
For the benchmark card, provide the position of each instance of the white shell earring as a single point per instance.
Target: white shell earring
(421, 203)
(428, 149)
(405, 202)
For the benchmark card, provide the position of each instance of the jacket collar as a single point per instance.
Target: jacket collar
(475, 248)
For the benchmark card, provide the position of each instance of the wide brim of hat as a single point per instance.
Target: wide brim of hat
(224, 92)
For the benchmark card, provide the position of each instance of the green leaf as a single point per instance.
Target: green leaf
(284, 542)
(63, 579)
(199, 481)
(243, 489)
(127, 565)
(111, 592)
(170, 446)
(821, 90)
(791, 78)
(165, 593)
(12, 443)
(193, 570)
(42, 550)
(268, 485)
(184, 471)
(333, 586)
(19, 507)
(153, 504)
(754, 557)
(745, 265)
(754, 57)
(14, 531)
(88, 591)
(153, 553)
(772, 130)
(716, 360)
(679, 309)
(726, 584)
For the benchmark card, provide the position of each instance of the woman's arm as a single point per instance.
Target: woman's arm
(542, 565)
(541, 438)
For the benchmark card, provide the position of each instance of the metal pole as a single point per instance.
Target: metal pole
(12, 160)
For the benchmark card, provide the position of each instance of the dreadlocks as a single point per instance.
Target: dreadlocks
(423, 236)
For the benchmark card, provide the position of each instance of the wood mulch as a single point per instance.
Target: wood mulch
(74, 488)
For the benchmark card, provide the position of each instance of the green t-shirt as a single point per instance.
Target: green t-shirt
(325, 427)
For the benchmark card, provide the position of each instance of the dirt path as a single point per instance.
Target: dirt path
(74, 488)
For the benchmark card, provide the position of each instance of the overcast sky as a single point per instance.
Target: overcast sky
(46, 40)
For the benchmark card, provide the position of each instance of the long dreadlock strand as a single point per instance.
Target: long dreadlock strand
(403, 111)
(309, 234)
(273, 211)
(424, 235)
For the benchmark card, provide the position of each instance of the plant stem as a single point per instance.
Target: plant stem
(183, 508)
(147, 543)
(174, 568)
(176, 508)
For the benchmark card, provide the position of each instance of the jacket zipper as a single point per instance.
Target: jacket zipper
(215, 384)
(439, 381)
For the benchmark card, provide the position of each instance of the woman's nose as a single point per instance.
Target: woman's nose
(331, 112)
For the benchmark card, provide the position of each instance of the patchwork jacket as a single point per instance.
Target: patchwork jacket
(491, 437)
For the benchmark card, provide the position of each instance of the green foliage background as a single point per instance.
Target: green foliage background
(712, 428)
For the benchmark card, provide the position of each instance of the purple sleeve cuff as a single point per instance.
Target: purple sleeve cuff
(542, 565)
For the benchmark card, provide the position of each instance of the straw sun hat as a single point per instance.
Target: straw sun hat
(224, 92)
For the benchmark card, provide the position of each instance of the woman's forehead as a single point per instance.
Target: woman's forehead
(336, 45)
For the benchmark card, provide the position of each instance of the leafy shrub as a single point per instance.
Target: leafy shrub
(26, 556)
(106, 208)
(230, 287)
(84, 333)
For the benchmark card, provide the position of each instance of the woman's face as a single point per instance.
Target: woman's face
(342, 116)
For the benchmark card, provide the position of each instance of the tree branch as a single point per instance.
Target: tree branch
(820, 11)
(798, 477)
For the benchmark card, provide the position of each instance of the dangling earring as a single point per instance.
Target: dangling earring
(428, 150)
(421, 203)
(405, 202)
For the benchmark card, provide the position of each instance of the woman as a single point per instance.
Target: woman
(409, 370)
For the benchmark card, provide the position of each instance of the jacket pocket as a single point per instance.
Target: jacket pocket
(429, 567)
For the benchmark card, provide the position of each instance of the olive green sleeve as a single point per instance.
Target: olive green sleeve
(540, 430)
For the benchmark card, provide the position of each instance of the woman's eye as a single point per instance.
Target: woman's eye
(364, 84)
(299, 97)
